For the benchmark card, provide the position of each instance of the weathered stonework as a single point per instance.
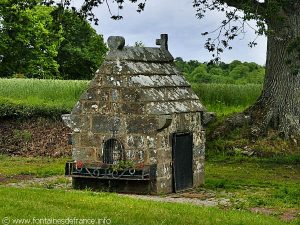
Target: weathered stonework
(139, 98)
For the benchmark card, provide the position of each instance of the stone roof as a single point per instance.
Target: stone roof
(140, 54)
(141, 77)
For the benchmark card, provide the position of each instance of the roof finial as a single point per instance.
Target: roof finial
(163, 41)
(116, 42)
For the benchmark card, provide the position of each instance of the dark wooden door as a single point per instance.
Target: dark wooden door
(182, 161)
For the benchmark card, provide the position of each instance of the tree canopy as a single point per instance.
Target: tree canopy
(27, 45)
(82, 51)
(235, 72)
(238, 13)
(40, 41)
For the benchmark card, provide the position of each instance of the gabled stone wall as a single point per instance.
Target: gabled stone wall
(139, 98)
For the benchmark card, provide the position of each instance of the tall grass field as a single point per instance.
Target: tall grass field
(28, 97)
(60, 93)
(227, 98)
(24, 97)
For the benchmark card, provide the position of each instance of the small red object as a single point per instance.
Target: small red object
(140, 165)
(79, 164)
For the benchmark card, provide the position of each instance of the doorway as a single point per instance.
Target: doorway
(182, 154)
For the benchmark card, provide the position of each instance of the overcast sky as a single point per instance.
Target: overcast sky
(177, 19)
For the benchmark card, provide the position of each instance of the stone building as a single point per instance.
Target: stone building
(138, 127)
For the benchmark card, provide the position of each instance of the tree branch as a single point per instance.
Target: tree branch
(250, 6)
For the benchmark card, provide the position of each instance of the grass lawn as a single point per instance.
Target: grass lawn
(60, 204)
(254, 182)
(247, 182)
(38, 167)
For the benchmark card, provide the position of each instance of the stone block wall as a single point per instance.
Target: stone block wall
(139, 98)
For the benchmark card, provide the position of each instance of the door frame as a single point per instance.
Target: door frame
(174, 161)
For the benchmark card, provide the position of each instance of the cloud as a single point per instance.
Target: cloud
(177, 18)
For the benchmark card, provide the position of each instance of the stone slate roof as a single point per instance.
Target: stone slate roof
(142, 76)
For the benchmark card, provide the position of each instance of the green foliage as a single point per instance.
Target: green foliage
(186, 67)
(10, 108)
(239, 71)
(199, 74)
(235, 72)
(28, 44)
(20, 135)
(123, 165)
(47, 42)
(82, 51)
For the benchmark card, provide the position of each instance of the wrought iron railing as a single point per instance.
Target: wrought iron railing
(108, 171)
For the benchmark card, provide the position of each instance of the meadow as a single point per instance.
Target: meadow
(225, 99)
(26, 97)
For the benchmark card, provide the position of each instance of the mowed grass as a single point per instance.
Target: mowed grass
(60, 204)
(247, 182)
(62, 95)
(38, 167)
(256, 182)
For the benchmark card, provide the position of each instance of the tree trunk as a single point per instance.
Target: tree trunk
(278, 106)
